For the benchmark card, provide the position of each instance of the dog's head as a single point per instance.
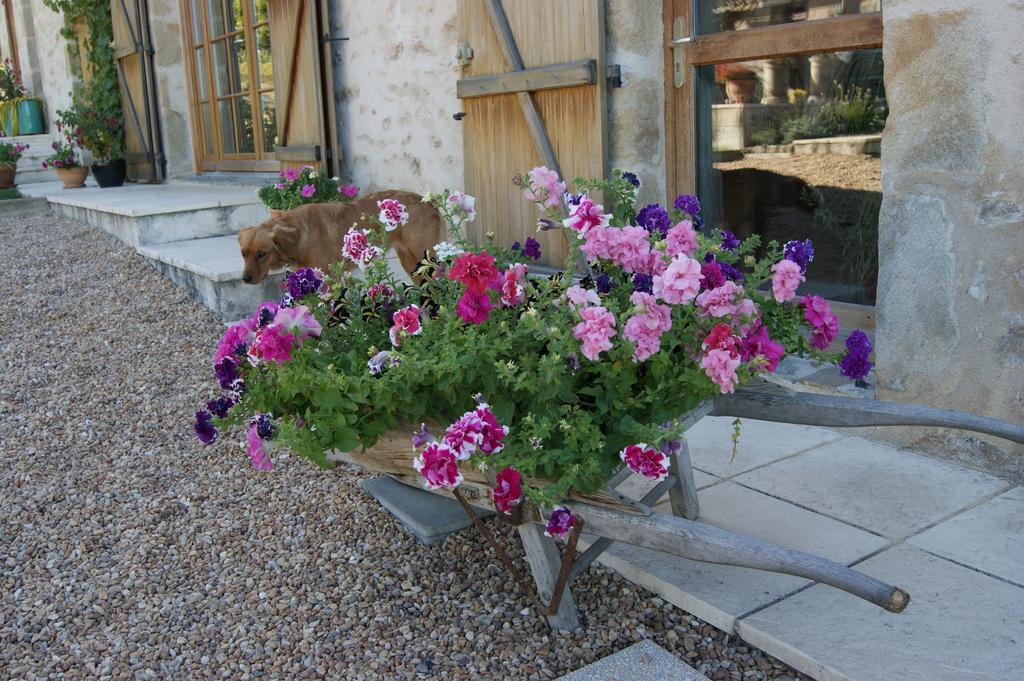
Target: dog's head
(267, 246)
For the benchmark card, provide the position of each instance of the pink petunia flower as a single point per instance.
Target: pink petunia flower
(406, 322)
(644, 329)
(586, 216)
(681, 238)
(823, 322)
(298, 321)
(357, 248)
(273, 343)
(392, 214)
(720, 366)
(349, 190)
(438, 466)
(493, 432)
(596, 331)
(474, 308)
(513, 290)
(237, 334)
(757, 348)
(721, 338)
(508, 489)
(463, 206)
(465, 436)
(544, 188)
(290, 174)
(307, 190)
(680, 281)
(257, 455)
(720, 301)
(786, 277)
(645, 460)
(579, 297)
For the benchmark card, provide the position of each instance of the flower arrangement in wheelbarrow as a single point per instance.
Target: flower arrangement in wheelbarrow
(298, 186)
(545, 385)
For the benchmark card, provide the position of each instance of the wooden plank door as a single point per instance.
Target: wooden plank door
(133, 54)
(301, 128)
(534, 93)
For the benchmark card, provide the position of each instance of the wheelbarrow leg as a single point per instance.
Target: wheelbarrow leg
(683, 495)
(545, 561)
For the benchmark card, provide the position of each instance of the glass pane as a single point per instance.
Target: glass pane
(226, 114)
(202, 79)
(265, 70)
(245, 126)
(789, 149)
(269, 121)
(740, 15)
(207, 109)
(230, 66)
(197, 22)
(225, 16)
(259, 11)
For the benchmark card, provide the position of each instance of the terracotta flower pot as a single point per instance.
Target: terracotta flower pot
(73, 178)
(276, 212)
(7, 173)
(740, 90)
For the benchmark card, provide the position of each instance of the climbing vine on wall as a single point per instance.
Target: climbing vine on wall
(100, 90)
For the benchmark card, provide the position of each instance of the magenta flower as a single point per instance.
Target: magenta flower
(465, 436)
(357, 248)
(786, 277)
(235, 335)
(645, 460)
(405, 322)
(493, 433)
(273, 343)
(290, 174)
(298, 321)
(508, 489)
(474, 308)
(587, 215)
(680, 281)
(257, 455)
(513, 291)
(560, 522)
(349, 190)
(307, 190)
(392, 214)
(596, 331)
(758, 348)
(476, 271)
(823, 322)
(438, 466)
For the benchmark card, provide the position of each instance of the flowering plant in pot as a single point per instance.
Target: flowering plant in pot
(549, 384)
(297, 186)
(10, 152)
(65, 159)
(102, 133)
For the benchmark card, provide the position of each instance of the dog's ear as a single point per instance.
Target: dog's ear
(285, 235)
(245, 235)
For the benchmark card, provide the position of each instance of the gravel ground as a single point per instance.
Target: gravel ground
(129, 550)
(819, 170)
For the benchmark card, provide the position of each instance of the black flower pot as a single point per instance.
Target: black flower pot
(110, 174)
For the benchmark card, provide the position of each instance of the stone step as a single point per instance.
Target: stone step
(143, 214)
(211, 270)
(643, 661)
(429, 516)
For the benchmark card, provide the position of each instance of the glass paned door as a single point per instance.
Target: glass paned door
(233, 84)
(777, 114)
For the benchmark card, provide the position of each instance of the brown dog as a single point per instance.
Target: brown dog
(311, 235)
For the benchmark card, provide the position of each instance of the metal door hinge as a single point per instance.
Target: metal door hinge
(613, 72)
(463, 54)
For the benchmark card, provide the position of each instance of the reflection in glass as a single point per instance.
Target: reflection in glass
(197, 22)
(226, 114)
(225, 16)
(269, 107)
(259, 11)
(245, 125)
(265, 70)
(230, 66)
(789, 148)
(201, 75)
(207, 108)
(740, 15)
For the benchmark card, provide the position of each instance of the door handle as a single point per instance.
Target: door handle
(680, 36)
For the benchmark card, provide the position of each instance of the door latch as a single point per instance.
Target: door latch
(680, 36)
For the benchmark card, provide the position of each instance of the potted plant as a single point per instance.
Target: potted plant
(548, 383)
(103, 135)
(740, 82)
(64, 160)
(10, 152)
(21, 114)
(298, 186)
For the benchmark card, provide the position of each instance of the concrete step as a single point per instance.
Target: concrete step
(144, 214)
(211, 270)
(429, 516)
(643, 661)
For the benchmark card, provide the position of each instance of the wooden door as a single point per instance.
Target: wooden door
(299, 80)
(133, 54)
(534, 93)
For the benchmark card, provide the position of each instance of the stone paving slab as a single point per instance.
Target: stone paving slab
(137, 200)
(988, 537)
(429, 516)
(761, 442)
(720, 594)
(895, 493)
(643, 661)
(960, 625)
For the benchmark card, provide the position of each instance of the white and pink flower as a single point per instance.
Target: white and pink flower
(392, 214)
(513, 285)
(680, 282)
(405, 322)
(586, 216)
(462, 206)
(508, 489)
(645, 460)
(438, 466)
(357, 248)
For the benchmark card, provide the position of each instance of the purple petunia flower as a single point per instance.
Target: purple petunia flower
(422, 436)
(653, 217)
(631, 178)
(730, 272)
(204, 427)
(517, 246)
(643, 283)
(604, 283)
(574, 362)
(266, 316)
(219, 407)
(729, 240)
(687, 203)
(698, 222)
(856, 364)
(572, 199)
(238, 387)
(304, 281)
(226, 372)
(560, 522)
(379, 362)
(264, 426)
(800, 252)
(712, 274)
(532, 248)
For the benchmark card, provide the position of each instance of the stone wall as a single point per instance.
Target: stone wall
(951, 232)
(172, 87)
(46, 70)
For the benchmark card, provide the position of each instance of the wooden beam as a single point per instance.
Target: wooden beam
(298, 152)
(847, 32)
(582, 72)
(292, 65)
(545, 562)
(698, 541)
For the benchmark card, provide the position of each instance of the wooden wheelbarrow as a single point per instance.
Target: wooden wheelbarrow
(612, 516)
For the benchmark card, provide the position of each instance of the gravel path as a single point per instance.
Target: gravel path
(128, 550)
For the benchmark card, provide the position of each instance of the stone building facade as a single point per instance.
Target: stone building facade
(950, 300)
